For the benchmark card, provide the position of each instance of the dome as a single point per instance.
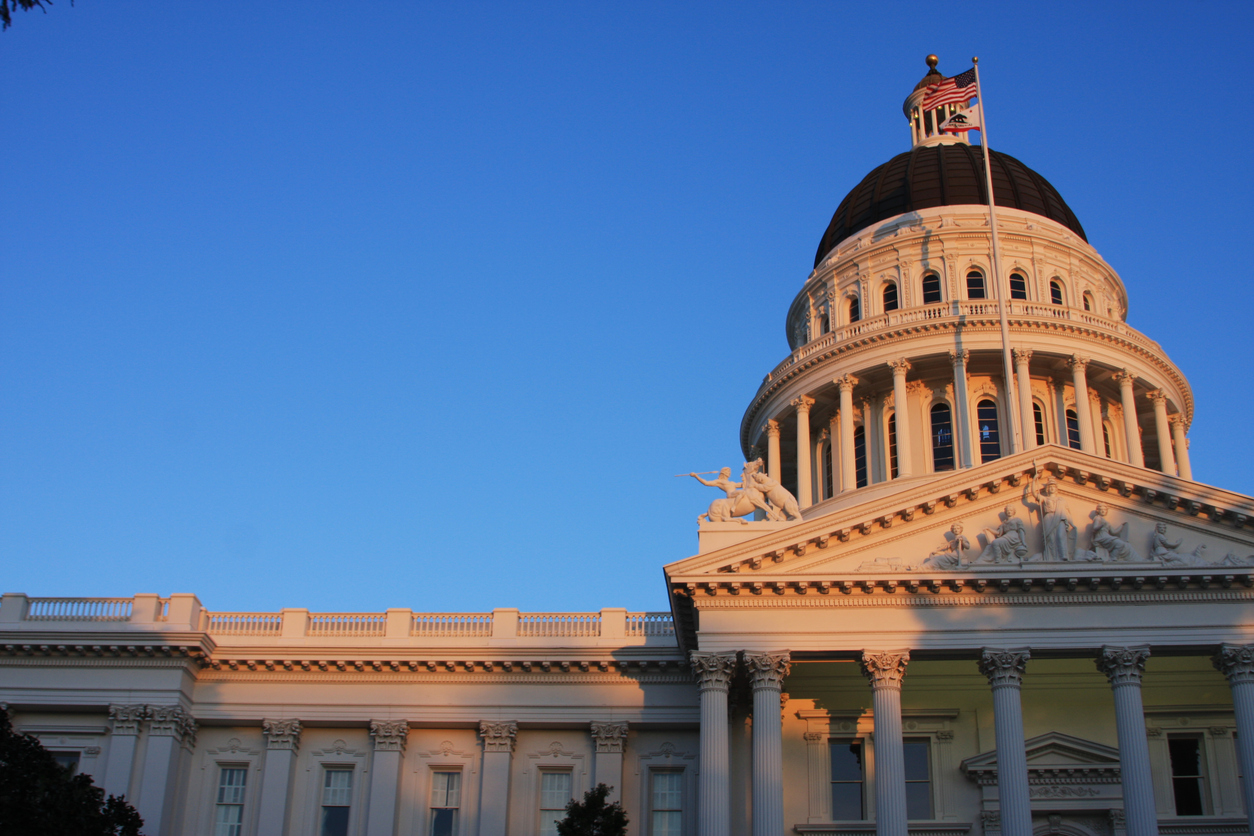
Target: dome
(950, 174)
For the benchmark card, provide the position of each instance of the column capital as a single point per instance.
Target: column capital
(1236, 662)
(125, 719)
(771, 428)
(802, 404)
(885, 668)
(767, 670)
(609, 736)
(1077, 364)
(1176, 420)
(713, 670)
(1157, 396)
(498, 735)
(391, 735)
(959, 358)
(1004, 667)
(1021, 355)
(1125, 378)
(281, 734)
(171, 721)
(845, 382)
(834, 422)
(1123, 665)
(900, 366)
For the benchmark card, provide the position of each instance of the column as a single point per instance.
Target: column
(390, 737)
(1131, 430)
(1083, 412)
(1004, 669)
(1026, 419)
(819, 494)
(125, 721)
(1124, 667)
(168, 726)
(1168, 461)
(767, 672)
(833, 432)
(802, 405)
(610, 739)
(498, 747)
(848, 477)
(714, 673)
(1236, 662)
(885, 670)
(962, 407)
(1182, 447)
(876, 452)
(282, 743)
(772, 449)
(905, 441)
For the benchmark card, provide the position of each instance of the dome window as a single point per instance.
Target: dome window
(890, 297)
(859, 457)
(942, 438)
(1038, 418)
(1106, 439)
(1088, 301)
(855, 310)
(1055, 292)
(1018, 286)
(892, 445)
(990, 439)
(975, 285)
(1073, 429)
(931, 289)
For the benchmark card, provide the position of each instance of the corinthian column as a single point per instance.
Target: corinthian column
(1124, 667)
(1004, 669)
(848, 476)
(833, 450)
(901, 415)
(714, 673)
(802, 405)
(1182, 447)
(390, 737)
(1167, 460)
(1236, 662)
(772, 449)
(962, 411)
(1130, 427)
(498, 748)
(885, 670)
(1083, 411)
(767, 671)
(282, 742)
(1028, 421)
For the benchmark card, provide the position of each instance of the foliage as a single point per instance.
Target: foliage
(8, 7)
(39, 797)
(593, 817)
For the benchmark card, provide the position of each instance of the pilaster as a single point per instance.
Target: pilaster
(282, 744)
(498, 748)
(390, 737)
(610, 738)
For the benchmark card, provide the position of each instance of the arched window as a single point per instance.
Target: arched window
(890, 297)
(859, 457)
(825, 324)
(1018, 286)
(1073, 429)
(1088, 301)
(931, 288)
(1038, 417)
(892, 445)
(855, 310)
(1055, 292)
(975, 285)
(1106, 439)
(825, 466)
(942, 438)
(990, 439)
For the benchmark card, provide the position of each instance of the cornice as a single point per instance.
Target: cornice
(984, 592)
(405, 676)
(128, 654)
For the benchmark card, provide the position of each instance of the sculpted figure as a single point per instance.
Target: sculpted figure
(1168, 552)
(1008, 543)
(949, 556)
(1113, 540)
(781, 500)
(753, 491)
(1057, 526)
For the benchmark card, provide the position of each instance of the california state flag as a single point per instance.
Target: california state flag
(963, 120)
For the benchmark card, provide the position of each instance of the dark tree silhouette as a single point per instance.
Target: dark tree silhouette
(39, 797)
(592, 816)
(8, 7)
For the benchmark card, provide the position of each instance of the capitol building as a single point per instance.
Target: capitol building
(962, 584)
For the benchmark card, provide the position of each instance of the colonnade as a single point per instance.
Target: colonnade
(1173, 449)
(1004, 668)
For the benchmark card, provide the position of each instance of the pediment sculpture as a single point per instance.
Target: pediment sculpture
(755, 491)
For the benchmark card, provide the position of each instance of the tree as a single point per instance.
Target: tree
(8, 7)
(592, 816)
(39, 797)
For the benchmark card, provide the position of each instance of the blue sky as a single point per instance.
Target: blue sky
(422, 304)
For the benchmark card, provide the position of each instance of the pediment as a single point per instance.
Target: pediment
(1054, 750)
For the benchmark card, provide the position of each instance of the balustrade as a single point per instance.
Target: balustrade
(79, 609)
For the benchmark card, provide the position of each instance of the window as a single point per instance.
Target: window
(666, 803)
(1055, 292)
(825, 324)
(855, 310)
(942, 438)
(1073, 429)
(859, 456)
(228, 819)
(892, 445)
(931, 288)
(918, 777)
(990, 441)
(1038, 417)
(975, 285)
(446, 799)
(1106, 439)
(1188, 783)
(1088, 301)
(848, 777)
(554, 794)
(337, 794)
(890, 297)
(1018, 286)
(829, 487)
(67, 760)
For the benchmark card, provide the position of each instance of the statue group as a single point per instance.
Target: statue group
(755, 491)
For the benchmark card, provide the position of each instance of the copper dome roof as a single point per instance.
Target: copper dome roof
(943, 175)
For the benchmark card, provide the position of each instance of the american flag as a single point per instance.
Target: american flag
(956, 90)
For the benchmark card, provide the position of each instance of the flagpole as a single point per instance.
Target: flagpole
(1012, 402)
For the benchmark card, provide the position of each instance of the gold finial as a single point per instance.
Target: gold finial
(932, 61)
